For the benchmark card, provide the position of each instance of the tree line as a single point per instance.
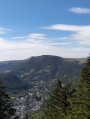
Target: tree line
(63, 103)
(67, 103)
(6, 108)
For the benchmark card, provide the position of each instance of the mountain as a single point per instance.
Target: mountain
(42, 67)
(8, 65)
(18, 73)
(48, 67)
(13, 84)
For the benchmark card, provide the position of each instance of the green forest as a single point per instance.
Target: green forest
(68, 103)
(64, 102)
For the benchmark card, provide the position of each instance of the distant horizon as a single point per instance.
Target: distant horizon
(45, 55)
(37, 27)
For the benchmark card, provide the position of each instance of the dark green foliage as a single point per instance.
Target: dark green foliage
(47, 67)
(80, 102)
(9, 65)
(39, 114)
(6, 110)
(13, 82)
(39, 68)
(52, 67)
(57, 105)
(14, 85)
(65, 103)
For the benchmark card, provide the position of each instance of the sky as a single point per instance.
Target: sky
(44, 27)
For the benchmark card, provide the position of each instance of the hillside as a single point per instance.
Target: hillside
(33, 80)
(48, 67)
(7, 66)
(13, 84)
(35, 69)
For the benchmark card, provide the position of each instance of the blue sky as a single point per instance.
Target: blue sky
(39, 27)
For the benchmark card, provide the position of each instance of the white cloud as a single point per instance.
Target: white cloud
(80, 10)
(62, 43)
(63, 38)
(37, 36)
(4, 30)
(65, 27)
(1, 31)
(19, 37)
(1, 39)
(13, 50)
(29, 46)
(80, 33)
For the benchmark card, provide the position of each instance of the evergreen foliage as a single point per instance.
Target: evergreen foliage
(80, 101)
(67, 104)
(6, 110)
(19, 75)
(58, 104)
(47, 67)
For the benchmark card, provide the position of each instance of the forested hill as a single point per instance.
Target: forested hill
(48, 67)
(8, 65)
(14, 84)
(45, 67)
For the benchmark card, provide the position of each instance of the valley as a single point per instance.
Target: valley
(29, 82)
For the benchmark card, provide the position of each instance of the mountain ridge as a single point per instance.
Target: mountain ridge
(45, 67)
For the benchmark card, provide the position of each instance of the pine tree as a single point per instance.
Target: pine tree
(6, 110)
(80, 102)
(57, 105)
